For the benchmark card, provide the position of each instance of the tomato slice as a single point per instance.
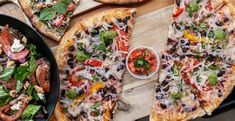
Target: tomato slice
(5, 40)
(177, 12)
(94, 62)
(59, 20)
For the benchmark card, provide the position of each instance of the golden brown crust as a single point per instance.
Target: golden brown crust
(60, 116)
(40, 26)
(119, 1)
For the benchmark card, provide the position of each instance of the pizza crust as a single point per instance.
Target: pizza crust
(40, 26)
(120, 1)
(60, 116)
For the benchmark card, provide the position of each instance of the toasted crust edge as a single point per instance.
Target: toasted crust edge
(120, 1)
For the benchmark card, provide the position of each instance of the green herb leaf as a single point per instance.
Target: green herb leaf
(80, 56)
(30, 91)
(106, 36)
(220, 34)
(96, 105)
(66, 1)
(2, 92)
(4, 96)
(30, 111)
(213, 79)
(60, 7)
(47, 14)
(7, 72)
(141, 62)
(32, 65)
(176, 95)
(175, 70)
(72, 94)
(192, 7)
(21, 73)
(95, 78)
(19, 85)
(214, 67)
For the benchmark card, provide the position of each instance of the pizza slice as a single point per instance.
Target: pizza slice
(91, 59)
(120, 1)
(49, 17)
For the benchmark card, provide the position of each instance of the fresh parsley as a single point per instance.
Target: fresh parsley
(141, 62)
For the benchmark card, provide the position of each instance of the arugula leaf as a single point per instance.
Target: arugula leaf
(80, 56)
(60, 7)
(6, 73)
(47, 14)
(21, 73)
(213, 79)
(19, 85)
(32, 65)
(72, 94)
(192, 7)
(4, 96)
(32, 48)
(30, 111)
(30, 91)
(214, 67)
(106, 36)
(220, 34)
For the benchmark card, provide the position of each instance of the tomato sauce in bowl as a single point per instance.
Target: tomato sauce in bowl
(142, 62)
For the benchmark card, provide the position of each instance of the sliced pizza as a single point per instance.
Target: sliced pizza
(120, 1)
(91, 59)
(49, 17)
(200, 49)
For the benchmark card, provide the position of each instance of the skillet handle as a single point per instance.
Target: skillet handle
(4, 1)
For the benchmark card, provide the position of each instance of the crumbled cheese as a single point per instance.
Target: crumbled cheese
(10, 63)
(38, 89)
(41, 96)
(17, 46)
(26, 85)
(16, 106)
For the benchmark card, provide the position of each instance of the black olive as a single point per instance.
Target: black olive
(163, 106)
(221, 73)
(164, 83)
(103, 79)
(166, 88)
(184, 49)
(203, 33)
(71, 48)
(159, 97)
(121, 67)
(226, 19)
(108, 42)
(124, 60)
(218, 23)
(177, 2)
(80, 92)
(211, 57)
(106, 69)
(164, 66)
(111, 77)
(157, 90)
(67, 71)
(187, 27)
(70, 54)
(113, 90)
(182, 57)
(170, 41)
(220, 94)
(118, 69)
(172, 50)
(62, 93)
(119, 20)
(78, 34)
(71, 59)
(126, 30)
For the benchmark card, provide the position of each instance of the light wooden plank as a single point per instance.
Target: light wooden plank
(85, 5)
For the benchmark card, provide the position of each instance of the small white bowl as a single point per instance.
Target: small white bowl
(139, 76)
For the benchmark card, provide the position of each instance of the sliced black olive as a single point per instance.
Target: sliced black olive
(221, 73)
(211, 57)
(111, 77)
(106, 69)
(71, 48)
(157, 90)
(163, 106)
(164, 83)
(226, 19)
(170, 41)
(119, 20)
(218, 23)
(78, 34)
(166, 88)
(124, 60)
(103, 79)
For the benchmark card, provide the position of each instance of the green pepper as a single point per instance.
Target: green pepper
(106, 36)
(192, 7)
(220, 34)
(72, 94)
(175, 70)
(80, 56)
(176, 95)
(213, 79)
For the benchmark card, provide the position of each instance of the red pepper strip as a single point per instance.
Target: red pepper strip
(94, 62)
(5, 40)
(178, 12)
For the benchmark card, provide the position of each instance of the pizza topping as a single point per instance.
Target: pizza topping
(220, 34)
(213, 79)
(178, 12)
(17, 46)
(192, 7)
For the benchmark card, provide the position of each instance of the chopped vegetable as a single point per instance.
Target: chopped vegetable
(106, 36)
(30, 111)
(220, 34)
(175, 70)
(178, 12)
(47, 14)
(7, 72)
(214, 67)
(192, 7)
(4, 96)
(80, 56)
(213, 79)
(72, 94)
(176, 95)
(141, 62)
(96, 105)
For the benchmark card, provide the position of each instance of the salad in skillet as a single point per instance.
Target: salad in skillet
(24, 78)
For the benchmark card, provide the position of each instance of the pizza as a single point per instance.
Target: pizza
(24, 78)
(120, 1)
(91, 59)
(49, 17)
(198, 63)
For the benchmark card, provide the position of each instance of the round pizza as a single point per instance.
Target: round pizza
(91, 59)
(198, 63)
(120, 1)
(49, 17)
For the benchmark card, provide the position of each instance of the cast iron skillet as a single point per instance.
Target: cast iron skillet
(34, 38)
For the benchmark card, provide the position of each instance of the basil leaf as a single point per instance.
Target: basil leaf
(30, 111)
(66, 1)
(32, 65)
(96, 105)
(4, 96)
(47, 14)
(21, 73)
(7, 72)
(19, 85)
(60, 7)
(213, 79)
(220, 34)
(30, 91)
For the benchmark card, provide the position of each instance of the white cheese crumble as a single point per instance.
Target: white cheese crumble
(17, 46)
(16, 106)
(41, 96)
